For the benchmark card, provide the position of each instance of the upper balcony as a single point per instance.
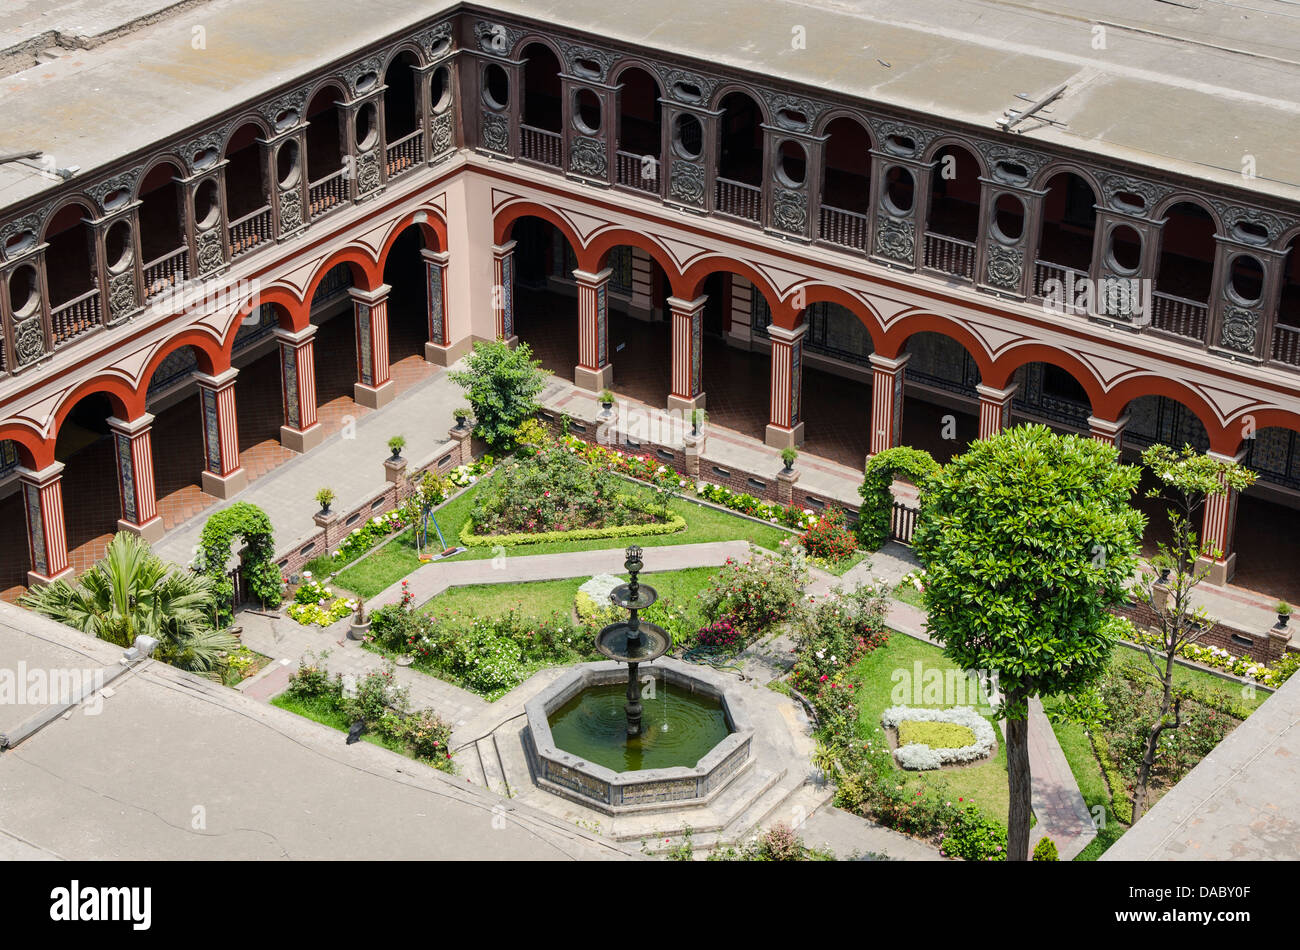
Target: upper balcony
(1206, 268)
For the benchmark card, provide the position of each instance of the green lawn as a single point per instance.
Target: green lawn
(320, 709)
(389, 564)
(543, 598)
(1198, 679)
(893, 666)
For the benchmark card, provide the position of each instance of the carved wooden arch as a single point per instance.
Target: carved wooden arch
(726, 88)
(626, 62)
(843, 112)
(85, 201)
(406, 46)
(237, 125)
(170, 158)
(337, 80)
(1164, 206)
(1065, 167)
(952, 140)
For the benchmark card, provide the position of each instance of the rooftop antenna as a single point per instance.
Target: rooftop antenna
(1014, 117)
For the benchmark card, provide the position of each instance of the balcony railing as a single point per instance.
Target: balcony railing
(79, 315)
(1286, 344)
(845, 228)
(739, 200)
(166, 272)
(539, 145)
(328, 194)
(251, 231)
(632, 172)
(1179, 316)
(950, 255)
(1046, 270)
(406, 153)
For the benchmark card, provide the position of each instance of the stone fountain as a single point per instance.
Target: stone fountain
(633, 641)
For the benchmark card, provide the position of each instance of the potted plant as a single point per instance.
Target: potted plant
(788, 455)
(461, 415)
(395, 445)
(1283, 613)
(698, 417)
(606, 399)
(325, 498)
(360, 628)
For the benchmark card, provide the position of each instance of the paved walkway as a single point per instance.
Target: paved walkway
(350, 462)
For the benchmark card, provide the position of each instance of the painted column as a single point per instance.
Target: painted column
(1219, 528)
(47, 539)
(995, 408)
(133, 452)
(301, 431)
(373, 387)
(594, 372)
(223, 472)
(785, 421)
(1103, 430)
(688, 349)
(438, 349)
(886, 401)
(641, 305)
(503, 291)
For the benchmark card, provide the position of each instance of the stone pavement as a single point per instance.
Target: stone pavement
(351, 464)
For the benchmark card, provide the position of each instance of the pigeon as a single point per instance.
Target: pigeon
(354, 734)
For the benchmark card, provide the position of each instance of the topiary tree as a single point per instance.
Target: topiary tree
(501, 384)
(251, 525)
(915, 465)
(1184, 480)
(1027, 539)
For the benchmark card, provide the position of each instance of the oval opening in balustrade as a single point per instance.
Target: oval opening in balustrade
(1011, 171)
(1008, 218)
(792, 119)
(688, 136)
(793, 166)
(117, 246)
(901, 144)
(586, 111)
(286, 163)
(1250, 232)
(204, 157)
(440, 90)
(207, 208)
(24, 291)
(1125, 249)
(1128, 201)
(286, 120)
(1247, 282)
(687, 91)
(367, 126)
(19, 242)
(496, 87)
(367, 81)
(116, 199)
(587, 67)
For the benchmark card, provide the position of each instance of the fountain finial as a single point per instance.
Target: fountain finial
(633, 564)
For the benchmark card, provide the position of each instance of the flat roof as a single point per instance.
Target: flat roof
(1200, 87)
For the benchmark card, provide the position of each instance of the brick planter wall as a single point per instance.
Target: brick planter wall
(1262, 646)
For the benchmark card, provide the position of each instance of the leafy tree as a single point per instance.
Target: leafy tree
(132, 592)
(1185, 478)
(1027, 539)
(501, 385)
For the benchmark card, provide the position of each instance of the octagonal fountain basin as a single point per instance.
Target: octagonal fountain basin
(580, 748)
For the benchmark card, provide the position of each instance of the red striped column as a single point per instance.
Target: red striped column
(688, 348)
(785, 424)
(47, 538)
(995, 408)
(594, 371)
(301, 431)
(223, 471)
(887, 401)
(438, 348)
(133, 450)
(1219, 529)
(1104, 430)
(503, 291)
(374, 387)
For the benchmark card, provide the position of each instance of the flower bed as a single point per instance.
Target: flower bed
(1217, 658)
(468, 538)
(315, 604)
(918, 756)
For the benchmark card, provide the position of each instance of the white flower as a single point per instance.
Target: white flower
(307, 575)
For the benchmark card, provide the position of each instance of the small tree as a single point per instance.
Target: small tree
(1185, 478)
(501, 385)
(426, 495)
(1027, 539)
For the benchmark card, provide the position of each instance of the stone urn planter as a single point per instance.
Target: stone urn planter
(359, 631)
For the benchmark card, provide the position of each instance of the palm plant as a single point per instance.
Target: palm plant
(133, 592)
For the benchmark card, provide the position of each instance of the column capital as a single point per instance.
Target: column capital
(592, 277)
(369, 296)
(435, 257)
(501, 250)
(296, 337)
(41, 478)
(219, 381)
(787, 336)
(682, 305)
(1235, 457)
(994, 394)
(132, 426)
(1107, 427)
(890, 364)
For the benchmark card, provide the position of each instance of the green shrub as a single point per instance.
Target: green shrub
(972, 836)
(937, 735)
(312, 678)
(1045, 850)
(877, 499)
(501, 383)
(1121, 804)
(760, 593)
(674, 524)
(594, 615)
(376, 694)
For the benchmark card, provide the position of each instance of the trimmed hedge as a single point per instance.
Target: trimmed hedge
(877, 498)
(1120, 803)
(468, 538)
